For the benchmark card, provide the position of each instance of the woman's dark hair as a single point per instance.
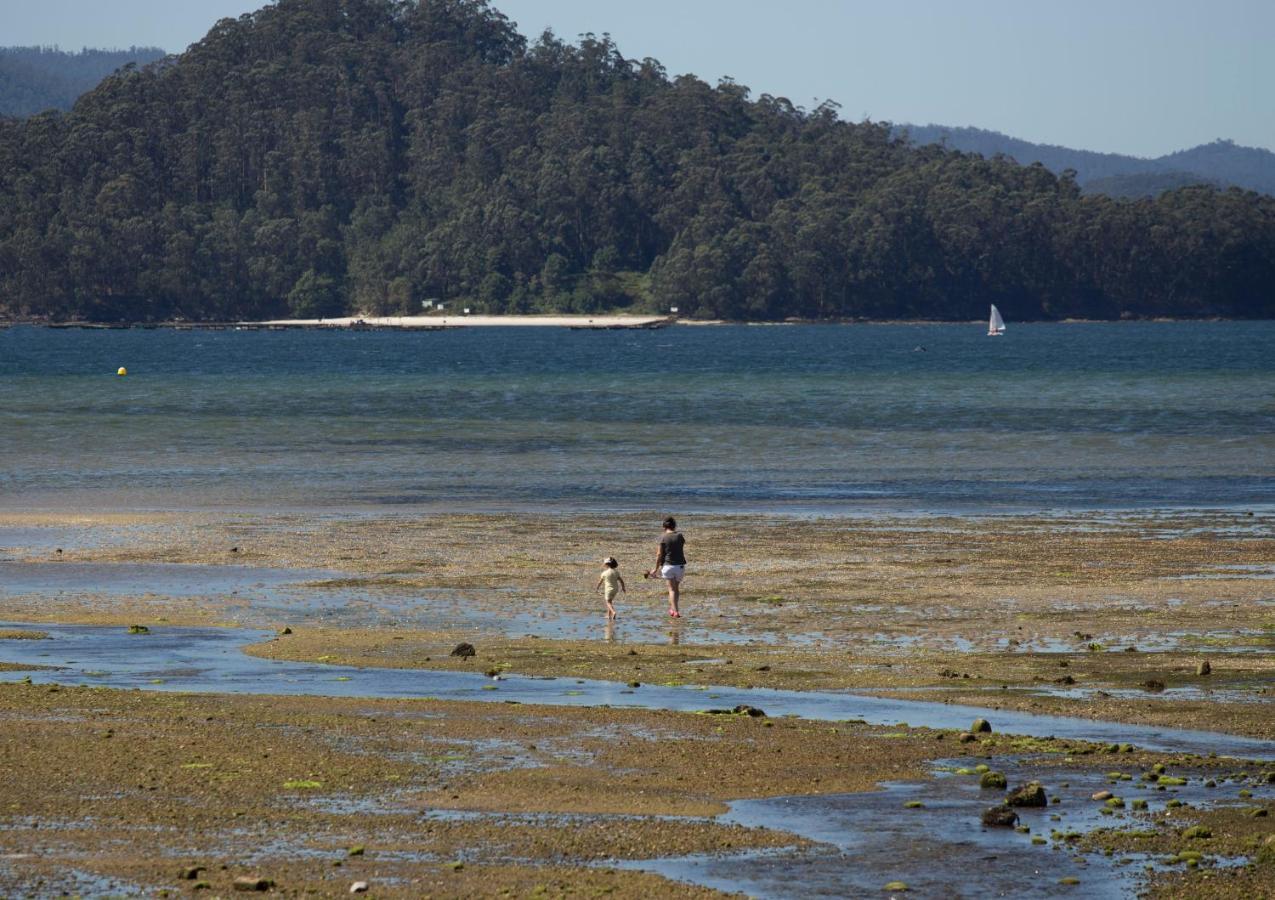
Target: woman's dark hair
(670, 523)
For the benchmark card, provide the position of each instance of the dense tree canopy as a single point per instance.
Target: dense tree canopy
(327, 155)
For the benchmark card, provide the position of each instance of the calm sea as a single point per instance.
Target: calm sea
(844, 419)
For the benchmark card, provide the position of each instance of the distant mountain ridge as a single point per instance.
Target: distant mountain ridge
(1222, 163)
(33, 79)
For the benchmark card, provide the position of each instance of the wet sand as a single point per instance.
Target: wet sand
(900, 607)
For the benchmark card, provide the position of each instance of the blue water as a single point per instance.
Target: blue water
(790, 418)
(210, 660)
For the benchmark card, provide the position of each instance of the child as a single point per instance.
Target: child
(611, 583)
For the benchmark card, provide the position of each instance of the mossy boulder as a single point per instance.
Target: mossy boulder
(992, 781)
(1000, 817)
(981, 726)
(1030, 794)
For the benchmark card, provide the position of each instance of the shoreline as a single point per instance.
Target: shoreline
(603, 322)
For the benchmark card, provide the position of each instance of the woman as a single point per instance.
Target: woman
(670, 564)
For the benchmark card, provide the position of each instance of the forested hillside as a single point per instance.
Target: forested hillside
(33, 79)
(329, 155)
(1223, 163)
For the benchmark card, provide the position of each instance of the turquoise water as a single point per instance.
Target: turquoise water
(791, 418)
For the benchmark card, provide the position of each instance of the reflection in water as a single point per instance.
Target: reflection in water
(608, 631)
(675, 634)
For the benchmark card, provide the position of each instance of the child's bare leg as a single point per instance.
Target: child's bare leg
(610, 610)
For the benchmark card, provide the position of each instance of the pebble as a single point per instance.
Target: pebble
(359, 887)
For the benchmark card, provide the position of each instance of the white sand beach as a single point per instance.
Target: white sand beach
(463, 321)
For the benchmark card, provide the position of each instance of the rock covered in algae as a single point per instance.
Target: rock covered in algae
(1030, 794)
(1000, 817)
(992, 780)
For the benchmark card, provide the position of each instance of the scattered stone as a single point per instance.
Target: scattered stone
(1066, 679)
(464, 651)
(1203, 668)
(981, 726)
(762, 669)
(992, 780)
(1070, 879)
(1154, 685)
(285, 630)
(1197, 831)
(201, 886)
(252, 883)
(896, 886)
(635, 684)
(1170, 781)
(966, 738)
(359, 887)
(1101, 795)
(1030, 794)
(1138, 804)
(751, 711)
(357, 850)
(1259, 812)
(1000, 817)
(191, 873)
(914, 804)
(138, 629)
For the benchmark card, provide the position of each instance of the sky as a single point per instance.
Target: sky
(1144, 77)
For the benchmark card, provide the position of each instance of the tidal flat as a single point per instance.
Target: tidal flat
(1150, 619)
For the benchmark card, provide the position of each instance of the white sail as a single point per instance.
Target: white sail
(995, 325)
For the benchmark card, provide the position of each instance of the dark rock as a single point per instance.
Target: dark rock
(992, 780)
(464, 651)
(191, 873)
(234, 549)
(981, 726)
(1203, 668)
(966, 738)
(1000, 817)
(635, 684)
(1030, 794)
(251, 883)
(1154, 685)
(1066, 679)
(138, 629)
(762, 669)
(285, 630)
(752, 711)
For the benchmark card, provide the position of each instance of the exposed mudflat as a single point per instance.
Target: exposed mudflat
(1095, 617)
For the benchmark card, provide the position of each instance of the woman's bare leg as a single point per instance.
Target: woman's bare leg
(674, 595)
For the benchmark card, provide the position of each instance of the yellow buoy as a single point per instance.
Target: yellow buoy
(122, 371)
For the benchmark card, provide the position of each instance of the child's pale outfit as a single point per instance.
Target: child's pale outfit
(610, 583)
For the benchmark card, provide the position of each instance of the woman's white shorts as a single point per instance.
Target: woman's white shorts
(673, 573)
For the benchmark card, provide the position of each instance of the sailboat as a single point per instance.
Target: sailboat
(995, 325)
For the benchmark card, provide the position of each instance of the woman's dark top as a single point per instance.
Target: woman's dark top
(671, 549)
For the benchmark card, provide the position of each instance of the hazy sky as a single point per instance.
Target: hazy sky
(1129, 76)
